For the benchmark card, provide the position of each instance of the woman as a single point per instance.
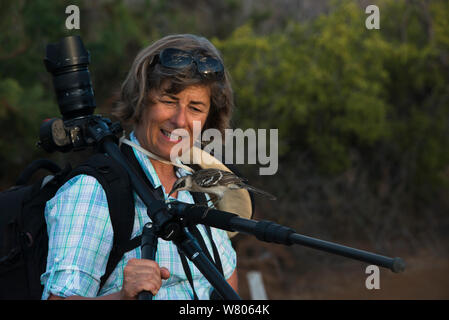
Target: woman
(175, 81)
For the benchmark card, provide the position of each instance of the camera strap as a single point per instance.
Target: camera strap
(123, 140)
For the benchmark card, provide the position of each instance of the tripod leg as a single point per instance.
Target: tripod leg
(191, 249)
(148, 247)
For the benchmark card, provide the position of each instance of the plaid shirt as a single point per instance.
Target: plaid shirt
(80, 239)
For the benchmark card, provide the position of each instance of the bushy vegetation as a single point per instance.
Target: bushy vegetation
(362, 114)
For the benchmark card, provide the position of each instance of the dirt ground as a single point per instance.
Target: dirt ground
(323, 277)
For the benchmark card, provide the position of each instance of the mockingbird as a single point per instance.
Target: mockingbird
(215, 182)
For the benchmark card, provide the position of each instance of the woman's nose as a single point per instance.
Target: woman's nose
(179, 117)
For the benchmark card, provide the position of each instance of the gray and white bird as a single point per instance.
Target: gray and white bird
(215, 182)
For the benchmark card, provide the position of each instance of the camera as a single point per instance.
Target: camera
(68, 61)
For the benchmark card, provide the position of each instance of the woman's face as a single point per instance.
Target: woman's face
(170, 112)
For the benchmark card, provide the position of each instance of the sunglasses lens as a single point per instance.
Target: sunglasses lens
(175, 58)
(208, 65)
(178, 59)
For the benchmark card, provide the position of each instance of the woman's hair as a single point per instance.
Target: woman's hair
(135, 91)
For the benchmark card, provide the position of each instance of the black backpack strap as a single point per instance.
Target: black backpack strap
(215, 295)
(201, 198)
(129, 154)
(115, 181)
(215, 251)
(185, 266)
(35, 166)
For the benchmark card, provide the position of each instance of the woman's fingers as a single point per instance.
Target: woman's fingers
(165, 274)
(142, 275)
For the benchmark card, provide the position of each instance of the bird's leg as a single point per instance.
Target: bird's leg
(214, 199)
(202, 204)
(209, 204)
(205, 212)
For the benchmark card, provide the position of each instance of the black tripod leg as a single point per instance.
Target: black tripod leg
(191, 249)
(148, 247)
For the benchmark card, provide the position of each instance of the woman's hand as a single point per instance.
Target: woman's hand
(142, 275)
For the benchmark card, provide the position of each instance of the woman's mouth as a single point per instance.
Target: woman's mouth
(171, 136)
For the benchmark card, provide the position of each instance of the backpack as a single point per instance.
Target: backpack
(23, 232)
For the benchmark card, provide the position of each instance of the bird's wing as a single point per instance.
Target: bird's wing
(212, 177)
(259, 191)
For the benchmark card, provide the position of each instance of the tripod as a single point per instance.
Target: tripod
(169, 222)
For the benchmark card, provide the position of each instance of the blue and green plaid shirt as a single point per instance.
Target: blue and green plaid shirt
(80, 239)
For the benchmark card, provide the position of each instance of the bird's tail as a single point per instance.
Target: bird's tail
(260, 192)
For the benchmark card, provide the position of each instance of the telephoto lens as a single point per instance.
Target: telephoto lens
(68, 60)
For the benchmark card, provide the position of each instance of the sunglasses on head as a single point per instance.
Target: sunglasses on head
(208, 67)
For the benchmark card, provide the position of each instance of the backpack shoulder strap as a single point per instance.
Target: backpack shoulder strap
(188, 272)
(200, 197)
(128, 152)
(116, 183)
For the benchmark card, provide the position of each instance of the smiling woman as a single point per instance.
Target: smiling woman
(169, 112)
(176, 81)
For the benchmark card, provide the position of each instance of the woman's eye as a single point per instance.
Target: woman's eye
(168, 102)
(195, 109)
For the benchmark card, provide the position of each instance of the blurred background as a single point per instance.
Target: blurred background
(362, 116)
